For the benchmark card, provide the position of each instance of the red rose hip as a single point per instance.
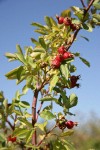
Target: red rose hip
(69, 124)
(61, 50)
(56, 63)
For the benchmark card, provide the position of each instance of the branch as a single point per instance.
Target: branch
(46, 135)
(34, 103)
(76, 32)
(38, 112)
(12, 127)
(89, 5)
(82, 1)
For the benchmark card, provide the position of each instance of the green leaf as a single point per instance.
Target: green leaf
(67, 133)
(47, 115)
(20, 131)
(77, 54)
(2, 137)
(11, 56)
(24, 104)
(47, 21)
(25, 121)
(41, 126)
(15, 73)
(53, 82)
(72, 68)
(73, 100)
(53, 22)
(42, 42)
(48, 99)
(85, 61)
(64, 70)
(20, 55)
(87, 27)
(29, 136)
(85, 38)
(96, 4)
(35, 42)
(66, 13)
(25, 89)
(38, 25)
(39, 49)
(40, 31)
(97, 16)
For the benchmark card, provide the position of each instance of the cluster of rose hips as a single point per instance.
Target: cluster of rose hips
(11, 139)
(60, 57)
(63, 123)
(73, 81)
(67, 22)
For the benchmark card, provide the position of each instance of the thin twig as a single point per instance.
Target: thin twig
(38, 112)
(12, 127)
(46, 135)
(82, 1)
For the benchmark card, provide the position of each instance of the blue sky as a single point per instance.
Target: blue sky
(15, 19)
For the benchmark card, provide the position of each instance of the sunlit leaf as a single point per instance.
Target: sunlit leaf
(47, 115)
(73, 100)
(41, 126)
(53, 81)
(66, 13)
(64, 70)
(67, 133)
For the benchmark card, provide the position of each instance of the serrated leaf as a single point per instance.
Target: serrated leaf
(85, 61)
(64, 70)
(73, 99)
(53, 82)
(20, 131)
(47, 115)
(85, 38)
(66, 13)
(20, 55)
(67, 133)
(41, 126)
(47, 21)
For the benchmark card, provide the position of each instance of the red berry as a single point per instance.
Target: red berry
(59, 58)
(67, 55)
(10, 138)
(61, 50)
(69, 124)
(13, 139)
(60, 19)
(67, 21)
(56, 63)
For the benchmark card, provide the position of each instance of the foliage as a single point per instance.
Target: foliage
(48, 70)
